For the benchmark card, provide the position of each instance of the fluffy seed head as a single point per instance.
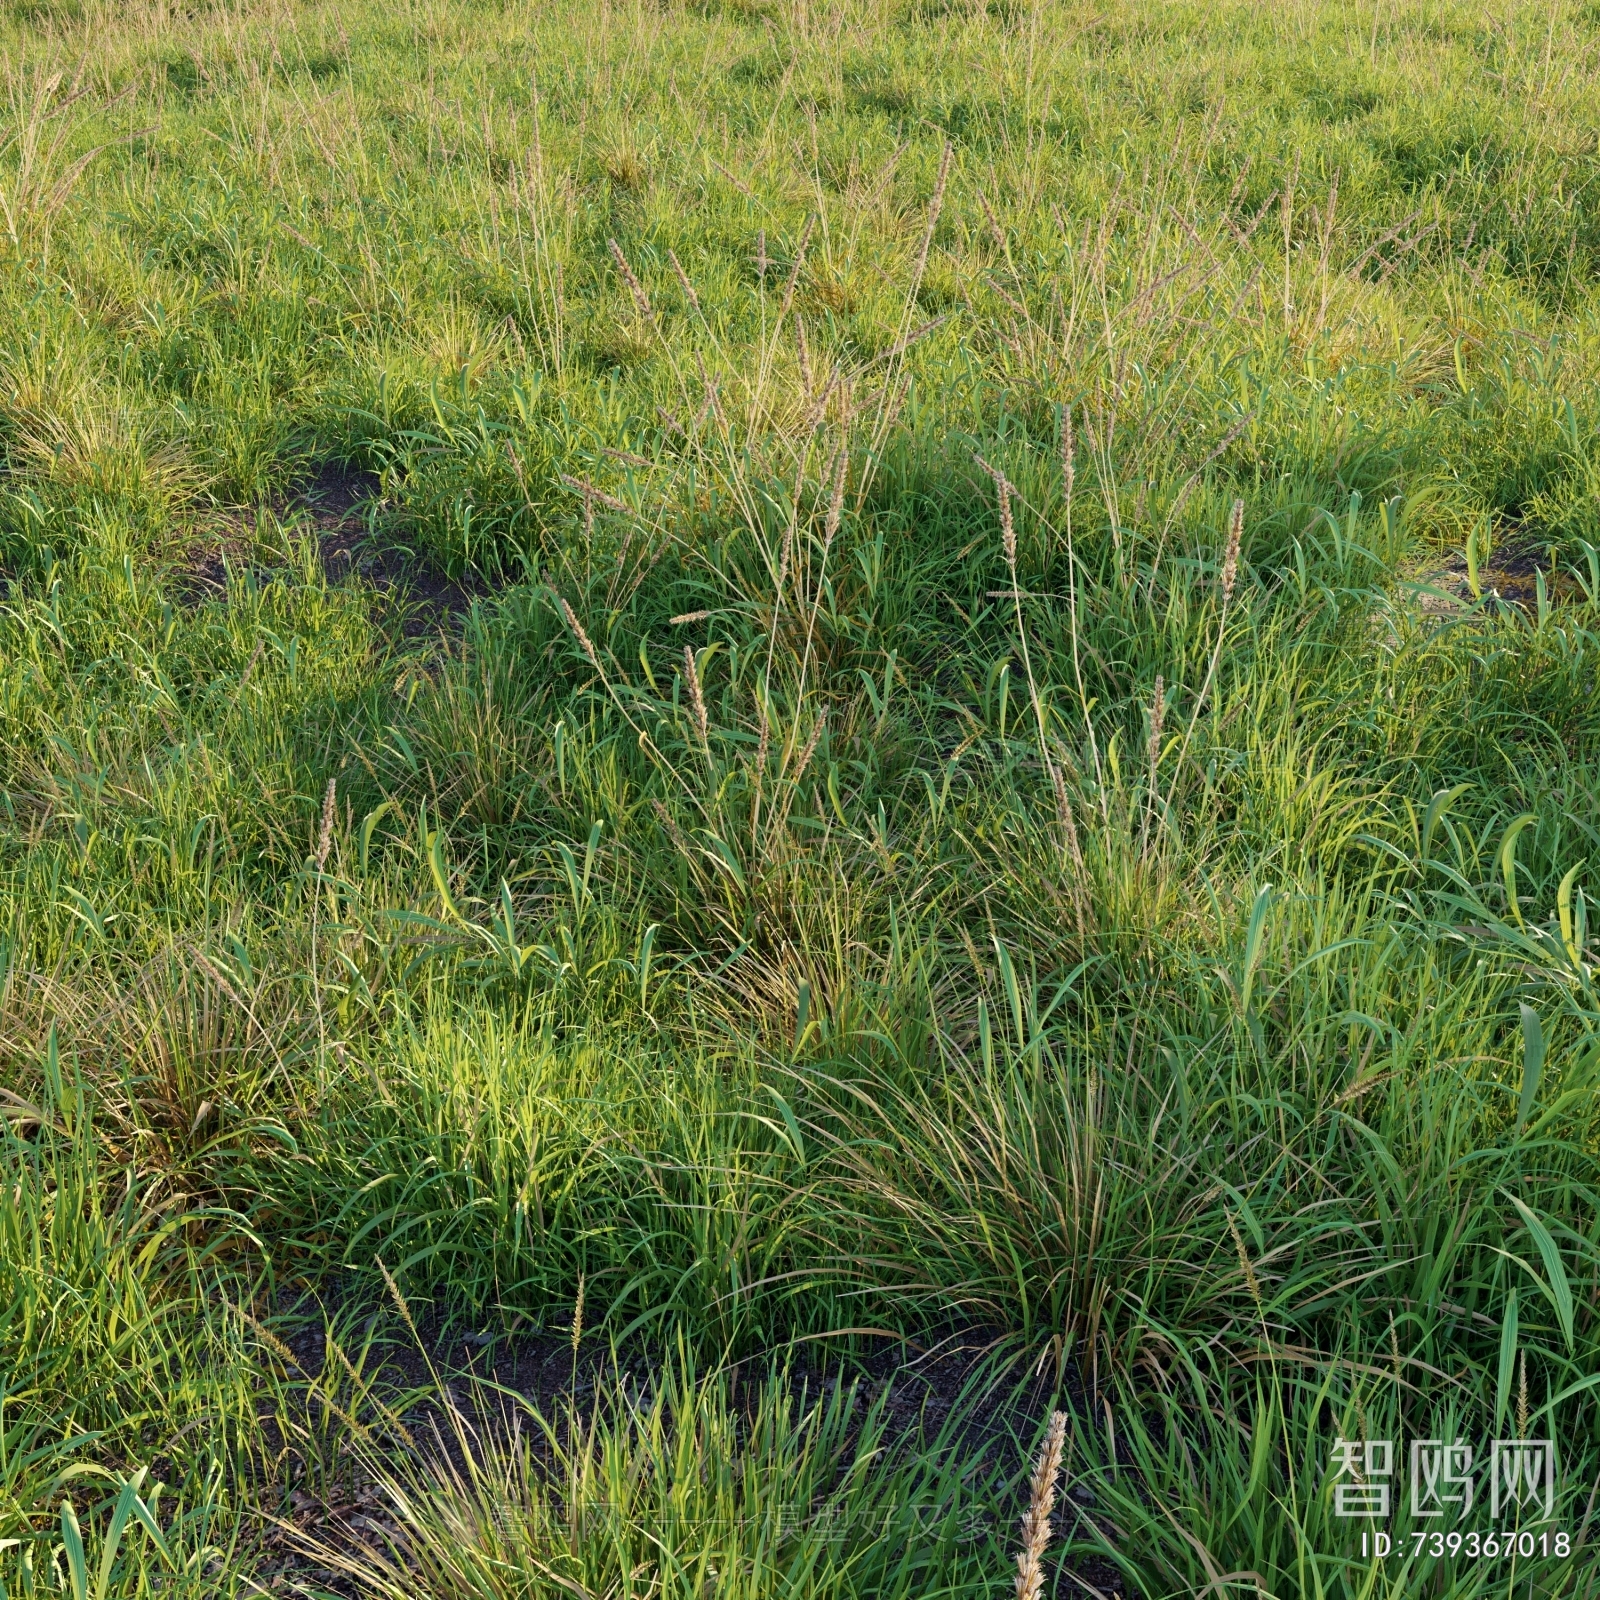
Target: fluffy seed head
(1041, 1502)
(1230, 559)
(784, 559)
(250, 665)
(582, 486)
(804, 353)
(1008, 531)
(640, 299)
(818, 408)
(794, 271)
(994, 222)
(1068, 452)
(1245, 1264)
(836, 500)
(712, 406)
(935, 205)
(683, 281)
(325, 835)
(697, 702)
(766, 742)
(811, 745)
(582, 637)
(399, 1299)
(271, 1341)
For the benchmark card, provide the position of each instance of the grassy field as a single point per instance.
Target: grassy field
(753, 687)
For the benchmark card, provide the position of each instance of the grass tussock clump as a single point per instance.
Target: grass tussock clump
(749, 753)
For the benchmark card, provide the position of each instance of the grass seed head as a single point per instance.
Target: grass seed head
(784, 559)
(589, 492)
(766, 740)
(818, 408)
(1041, 1502)
(1230, 559)
(683, 281)
(994, 223)
(803, 353)
(1008, 531)
(1245, 1264)
(696, 700)
(811, 745)
(582, 637)
(269, 1339)
(325, 834)
(635, 288)
(935, 206)
(712, 406)
(836, 500)
(794, 271)
(399, 1299)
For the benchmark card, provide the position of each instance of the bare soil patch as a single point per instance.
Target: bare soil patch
(1510, 576)
(968, 1380)
(342, 508)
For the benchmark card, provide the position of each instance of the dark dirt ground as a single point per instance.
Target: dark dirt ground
(340, 505)
(1002, 1402)
(1508, 577)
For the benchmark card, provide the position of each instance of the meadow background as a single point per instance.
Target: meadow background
(634, 710)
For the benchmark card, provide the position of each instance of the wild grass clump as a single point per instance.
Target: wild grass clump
(797, 1494)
